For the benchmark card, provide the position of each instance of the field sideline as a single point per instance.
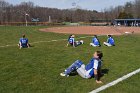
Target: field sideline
(36, 70)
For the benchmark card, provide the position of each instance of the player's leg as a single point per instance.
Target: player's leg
(28, 45)
(20, 45)
(81, 42)
(92, 44)
(77, 64)
(107, 44)
(76, 43)
(67, 44)
(82, 72)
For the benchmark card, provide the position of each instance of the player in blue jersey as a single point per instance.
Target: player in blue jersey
(92, 69)
(69, 39)
(72, 42)
(110, 41)
(95, 42)
(23, 42)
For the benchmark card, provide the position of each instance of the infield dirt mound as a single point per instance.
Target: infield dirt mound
(92, 30)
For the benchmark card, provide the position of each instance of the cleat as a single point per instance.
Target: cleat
(63, 75)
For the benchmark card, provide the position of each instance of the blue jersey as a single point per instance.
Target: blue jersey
(71, 40)
(95, 41)
(24, 42)
(111, 41)
(93, 64)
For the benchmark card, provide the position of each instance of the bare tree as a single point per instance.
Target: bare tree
(17, 13)
(3, 6)
(137, 8)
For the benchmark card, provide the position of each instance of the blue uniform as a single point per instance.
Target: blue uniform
(71, 40)
(111, 41)
(24, 42)
(93, 64)
(95, 41)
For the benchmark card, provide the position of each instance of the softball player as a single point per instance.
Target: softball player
(23, 42)
(110, 41)
(95, 42)
(92, 69)
(71, 41)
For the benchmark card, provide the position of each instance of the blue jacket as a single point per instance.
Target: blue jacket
(91, 65)
(111, 41)
(24, 42)
(95, 41)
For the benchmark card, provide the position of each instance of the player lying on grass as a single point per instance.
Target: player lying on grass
(23, 42)
(95, 42)
(72, 42)
(110, 41)
(92, 69)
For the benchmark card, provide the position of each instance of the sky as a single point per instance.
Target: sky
(98, 5)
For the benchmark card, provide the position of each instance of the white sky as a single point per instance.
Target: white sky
(65, 4)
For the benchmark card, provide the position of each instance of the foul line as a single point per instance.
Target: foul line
(44, 41)
(115, 81)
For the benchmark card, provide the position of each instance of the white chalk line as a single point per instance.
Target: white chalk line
(115, 81)
(43, 41)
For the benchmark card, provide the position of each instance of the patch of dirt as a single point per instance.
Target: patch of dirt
(93, 30)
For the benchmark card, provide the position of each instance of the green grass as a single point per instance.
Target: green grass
(131, 85)
(37, 69)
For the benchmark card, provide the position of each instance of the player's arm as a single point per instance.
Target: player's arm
(93, 41)
(73, 42)
(28, 45)
(67, 44)
(20, 43)
(107, 40)
(96, 74)
(98, 41)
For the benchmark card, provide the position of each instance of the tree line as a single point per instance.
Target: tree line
(27, 10)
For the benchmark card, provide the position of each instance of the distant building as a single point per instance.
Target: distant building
(127, 22)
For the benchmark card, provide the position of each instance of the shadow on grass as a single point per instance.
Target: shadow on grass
(73, 73)
(32, 46)
(104, 72)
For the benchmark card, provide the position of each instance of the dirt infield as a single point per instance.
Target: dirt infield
(92, 30)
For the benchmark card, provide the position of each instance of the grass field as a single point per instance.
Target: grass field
(37, 69)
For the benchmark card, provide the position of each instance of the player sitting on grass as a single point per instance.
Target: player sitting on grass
(110, 41)
(72, 42)
(92, 69)
(23, 42)
(95, 42)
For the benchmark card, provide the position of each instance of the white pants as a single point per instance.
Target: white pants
(107, 44)
(92, 44)
(82, 72)
(79, 42)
